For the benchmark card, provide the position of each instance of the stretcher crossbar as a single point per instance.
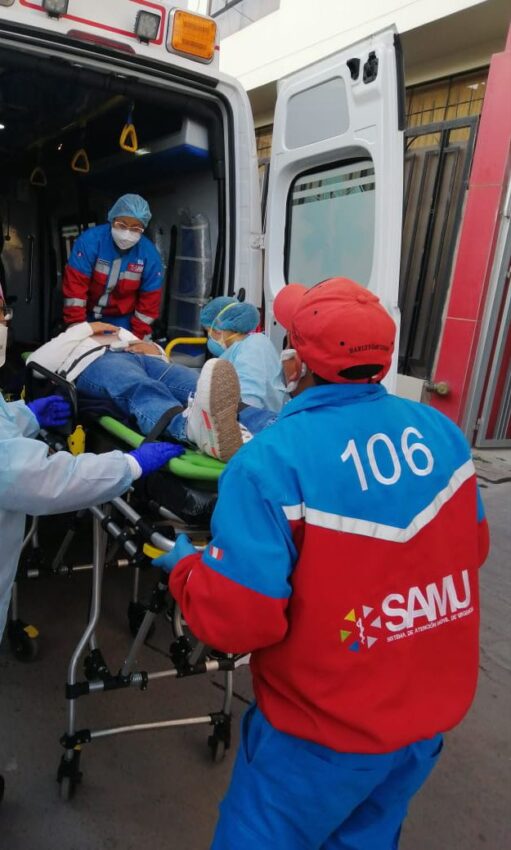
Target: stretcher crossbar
(191, 464)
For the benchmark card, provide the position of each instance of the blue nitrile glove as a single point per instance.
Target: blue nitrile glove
(52, 411)
(183, 547)
(151, 456)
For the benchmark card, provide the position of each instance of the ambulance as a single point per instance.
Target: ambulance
(103, 97)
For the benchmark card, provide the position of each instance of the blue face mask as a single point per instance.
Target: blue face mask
(215, 348)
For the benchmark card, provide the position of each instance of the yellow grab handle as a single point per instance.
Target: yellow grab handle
(80, 162)
(184, 340)
(38, 177)
(128, 140)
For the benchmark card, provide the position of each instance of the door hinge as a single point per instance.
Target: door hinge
(257, 241)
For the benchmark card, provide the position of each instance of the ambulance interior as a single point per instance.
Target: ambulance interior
(62, 167)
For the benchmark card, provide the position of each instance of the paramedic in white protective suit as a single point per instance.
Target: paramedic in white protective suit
(32, 482)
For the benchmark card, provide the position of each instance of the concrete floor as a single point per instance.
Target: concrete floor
(160, 789)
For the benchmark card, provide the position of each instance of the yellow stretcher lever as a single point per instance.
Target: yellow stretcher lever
(151, 551)
(128, 140)
(80, 162)
(76, 441)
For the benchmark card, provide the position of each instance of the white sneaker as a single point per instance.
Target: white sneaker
(212, 422)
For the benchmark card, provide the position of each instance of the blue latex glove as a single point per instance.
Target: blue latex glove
(151, 456)
(52, 411)
(182, 548)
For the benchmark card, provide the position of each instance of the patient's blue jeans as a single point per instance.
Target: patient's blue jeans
(145, 387)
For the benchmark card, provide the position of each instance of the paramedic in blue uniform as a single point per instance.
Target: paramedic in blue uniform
(33, 482)
(231, 329)
(115, 272)
(346, 544)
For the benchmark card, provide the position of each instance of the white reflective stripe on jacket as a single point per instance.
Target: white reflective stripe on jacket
(32, 482)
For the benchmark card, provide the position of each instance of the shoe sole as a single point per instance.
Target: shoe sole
(221, 408)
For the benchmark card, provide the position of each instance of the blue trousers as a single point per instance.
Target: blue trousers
(290, 794)
(145, 387)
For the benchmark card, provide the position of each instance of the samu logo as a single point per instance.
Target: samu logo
(419, 610)
(438, 600)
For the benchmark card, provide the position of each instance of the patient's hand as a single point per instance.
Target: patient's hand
(144, 348)
(103, 328)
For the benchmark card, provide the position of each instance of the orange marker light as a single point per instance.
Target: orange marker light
(193, 35)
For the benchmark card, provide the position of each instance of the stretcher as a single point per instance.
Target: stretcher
(138, 526)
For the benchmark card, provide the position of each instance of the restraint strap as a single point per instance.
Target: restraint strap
(63, 373)
(158, 429)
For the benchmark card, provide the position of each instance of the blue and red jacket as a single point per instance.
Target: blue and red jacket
(102, 282)
(346, 545)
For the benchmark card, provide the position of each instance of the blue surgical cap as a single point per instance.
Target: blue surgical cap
(237, 316)
(132, 205)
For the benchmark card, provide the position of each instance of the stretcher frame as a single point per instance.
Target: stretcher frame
(187, 658)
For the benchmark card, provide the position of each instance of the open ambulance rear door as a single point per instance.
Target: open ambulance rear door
(336, 174)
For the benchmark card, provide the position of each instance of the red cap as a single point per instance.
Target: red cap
(336, 325)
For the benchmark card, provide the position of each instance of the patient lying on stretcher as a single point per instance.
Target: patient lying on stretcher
(109, 363)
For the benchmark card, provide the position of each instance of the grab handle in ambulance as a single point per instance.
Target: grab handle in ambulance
(128, 140)
(80, 162)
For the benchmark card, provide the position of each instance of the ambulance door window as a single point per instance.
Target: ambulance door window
(331, 223)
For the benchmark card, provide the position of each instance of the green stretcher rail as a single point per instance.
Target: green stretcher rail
(190, 465)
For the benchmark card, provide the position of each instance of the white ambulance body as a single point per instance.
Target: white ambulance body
(74, 73)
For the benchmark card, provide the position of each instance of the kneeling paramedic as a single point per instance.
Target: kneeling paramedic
(345, 552)
(33, 482)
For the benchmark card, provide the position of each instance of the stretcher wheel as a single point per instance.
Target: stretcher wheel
(136, 613)
(23, 640)
(217, 748)
(69, 776)
(67, 789)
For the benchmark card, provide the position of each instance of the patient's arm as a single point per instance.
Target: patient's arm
(104, 328)
(53, 354)
(150, 349)
(144, 348)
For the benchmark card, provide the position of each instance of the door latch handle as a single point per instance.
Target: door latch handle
(441, 388)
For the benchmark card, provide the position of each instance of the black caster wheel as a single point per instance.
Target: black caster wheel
(217, 749)
(67, 788)
(136, 614)
(69, 776)
(23, 640)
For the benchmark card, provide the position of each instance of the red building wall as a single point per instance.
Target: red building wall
(488, 182)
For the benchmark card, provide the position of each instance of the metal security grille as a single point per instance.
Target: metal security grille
(436, 177)
(488, 417)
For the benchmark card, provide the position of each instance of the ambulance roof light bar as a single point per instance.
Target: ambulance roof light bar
(55, 8)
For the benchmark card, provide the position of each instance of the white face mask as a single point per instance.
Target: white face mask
(3, 343)
(125, 239)
(289, 354)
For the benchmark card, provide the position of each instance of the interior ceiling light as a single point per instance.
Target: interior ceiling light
(2, 126)
(142, 151)
(55, 8)
(147, 26)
